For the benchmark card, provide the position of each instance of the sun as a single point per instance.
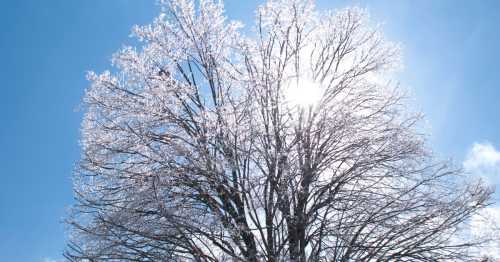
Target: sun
(303, 92)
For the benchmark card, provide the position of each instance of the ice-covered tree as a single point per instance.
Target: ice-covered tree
(286, 143)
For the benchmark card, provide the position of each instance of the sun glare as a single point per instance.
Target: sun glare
(303, 92)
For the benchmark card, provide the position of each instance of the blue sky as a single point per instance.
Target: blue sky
(451, 65)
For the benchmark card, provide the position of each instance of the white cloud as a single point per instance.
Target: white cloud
(485, 225)
(483, 160)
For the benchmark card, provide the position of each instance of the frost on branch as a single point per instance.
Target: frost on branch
(291, 145)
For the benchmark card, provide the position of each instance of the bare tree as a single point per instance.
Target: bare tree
(289, 145)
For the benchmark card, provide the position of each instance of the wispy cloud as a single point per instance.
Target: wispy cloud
(49, 259)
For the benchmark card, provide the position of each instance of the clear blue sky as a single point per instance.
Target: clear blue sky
(451, 53)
